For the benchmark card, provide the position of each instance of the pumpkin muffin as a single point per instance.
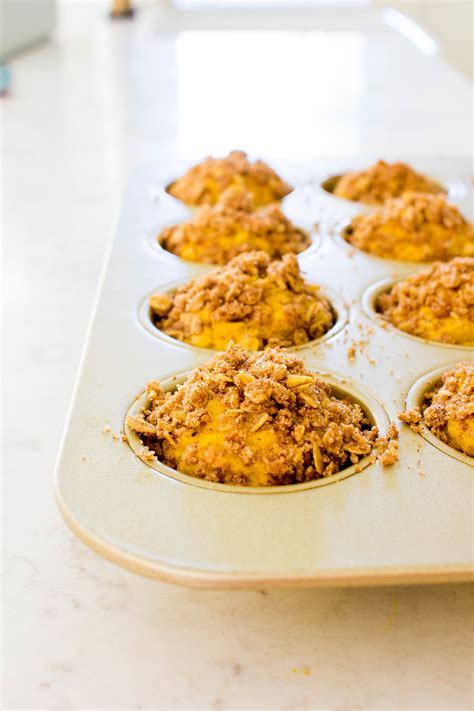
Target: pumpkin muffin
(204, 183)
(436, 304)
(217, 234)
(252, 301)
(383, 181)
(416, 227)
(253, 419)
(448, 411)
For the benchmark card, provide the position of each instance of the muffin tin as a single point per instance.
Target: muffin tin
(411, 522)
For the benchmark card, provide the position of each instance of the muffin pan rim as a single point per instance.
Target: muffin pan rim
(366, 532)
(340, 386)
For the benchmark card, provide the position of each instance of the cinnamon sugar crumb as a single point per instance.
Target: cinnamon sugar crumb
(411, 418)
(351, 352)
(387, 447)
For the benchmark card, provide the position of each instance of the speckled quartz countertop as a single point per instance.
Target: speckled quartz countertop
(103, 100)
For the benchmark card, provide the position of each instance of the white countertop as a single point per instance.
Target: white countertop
(101, 101)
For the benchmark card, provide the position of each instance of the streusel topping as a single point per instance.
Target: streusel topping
(254, 419)
(252, 301)
(448, 410)
(204, 183)
(416, 227)
(436, 304)
(383, 181)
(217, 234)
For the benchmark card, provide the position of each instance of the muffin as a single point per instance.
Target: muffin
(416, 227)
(252, 301)
(448, 411)
(253, 419)
(383, 181)
(436, 304)
(204, 183)
(217, 234)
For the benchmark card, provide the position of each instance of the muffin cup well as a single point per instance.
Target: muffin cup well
(341, 388)
(338, 306)
(415, 399)
(336, 233)
(369, 307)
(455, 190)
(203, 267)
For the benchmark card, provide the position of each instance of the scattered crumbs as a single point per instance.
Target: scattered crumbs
(387, 447)
(421, 472)
(351, 352)
(305, 670)
(412, 418)
(146, 454)
(83, 458)
(120, 437)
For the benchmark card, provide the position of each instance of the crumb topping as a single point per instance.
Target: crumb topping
(254, 419)
(416, 227)
(387, 447)
(252, 301)
(383, 181)
(436, 304)
(217, 234)
(204, 183)
(448, 410)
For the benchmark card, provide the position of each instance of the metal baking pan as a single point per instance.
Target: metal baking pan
(408, 523)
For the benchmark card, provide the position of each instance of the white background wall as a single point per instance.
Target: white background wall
(23, 23)
(451, 24)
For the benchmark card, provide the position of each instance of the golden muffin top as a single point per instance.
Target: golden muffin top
(204, 183)
(254, 419)
(218, 233)
(436, 304)
(383, 181)
(414, 227)
(448, 410)
(252, 301)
